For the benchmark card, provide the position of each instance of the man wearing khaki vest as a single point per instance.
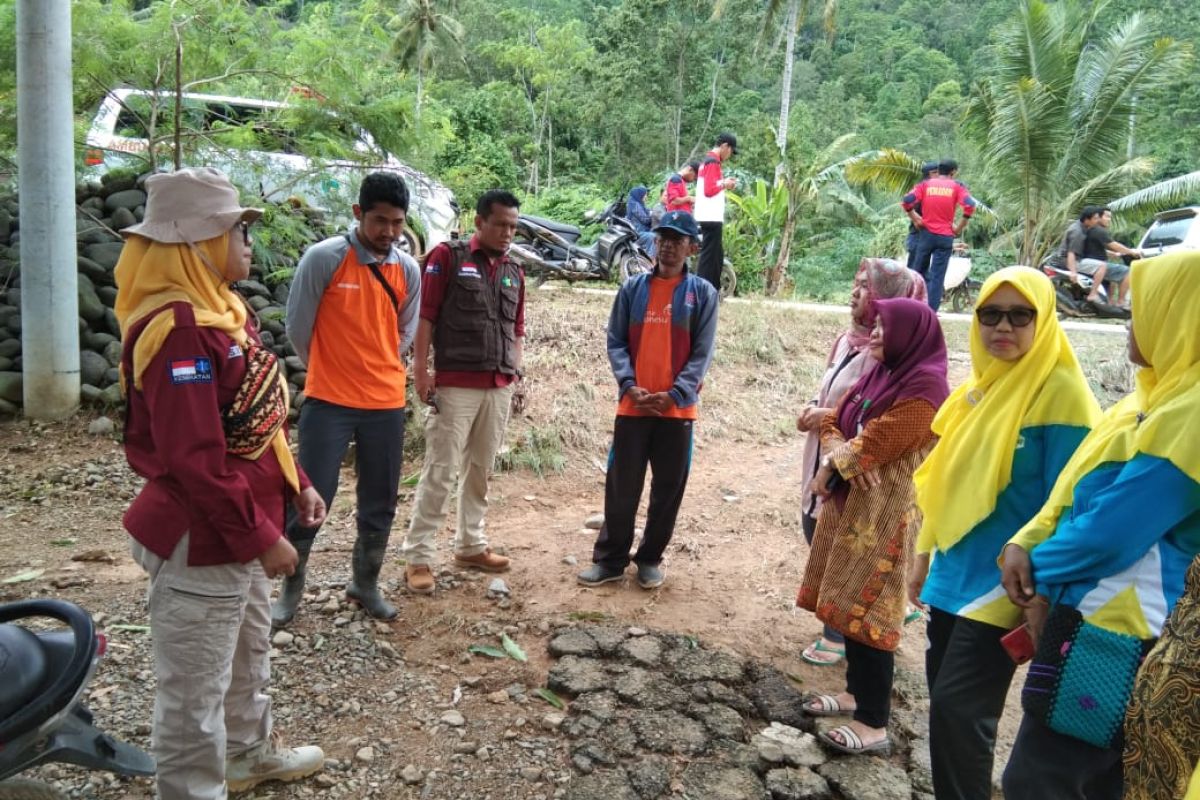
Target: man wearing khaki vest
(351, 313)
(473, 314)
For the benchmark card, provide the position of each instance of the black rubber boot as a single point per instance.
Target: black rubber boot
(369, 552)
(291, 592)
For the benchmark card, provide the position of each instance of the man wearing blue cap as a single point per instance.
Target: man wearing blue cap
(661, 336)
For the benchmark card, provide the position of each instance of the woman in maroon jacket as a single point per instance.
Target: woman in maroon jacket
(206, 406)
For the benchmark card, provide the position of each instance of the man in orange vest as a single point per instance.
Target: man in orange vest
(352, 311)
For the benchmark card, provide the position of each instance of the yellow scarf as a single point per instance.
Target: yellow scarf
(1160, 417)
(980, 423)
(1193, 792)
(152, 274)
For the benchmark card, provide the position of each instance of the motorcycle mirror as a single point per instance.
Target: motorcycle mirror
(591, 215)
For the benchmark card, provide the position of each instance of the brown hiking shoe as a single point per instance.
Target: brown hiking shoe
(486, 561)
(419, 578)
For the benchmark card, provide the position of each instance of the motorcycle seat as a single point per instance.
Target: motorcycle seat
(24, 668)
(561, 228)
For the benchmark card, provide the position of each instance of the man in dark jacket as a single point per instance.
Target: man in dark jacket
(661, 336)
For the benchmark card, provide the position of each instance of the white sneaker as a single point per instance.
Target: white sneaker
(271, 761)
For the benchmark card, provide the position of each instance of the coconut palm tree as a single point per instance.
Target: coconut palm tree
(795, 15)
(421, 29)
(1051, 124)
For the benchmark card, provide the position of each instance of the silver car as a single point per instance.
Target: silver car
(249, 139)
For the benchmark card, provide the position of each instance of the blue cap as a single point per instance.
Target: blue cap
(680, 222)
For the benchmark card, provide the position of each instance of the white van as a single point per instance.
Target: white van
(1177, 229)
(255, 143)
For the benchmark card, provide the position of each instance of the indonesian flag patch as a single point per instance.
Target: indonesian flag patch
(190, 370)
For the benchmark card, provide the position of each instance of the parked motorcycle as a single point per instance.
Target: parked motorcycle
(548, 249)
(959, 288)
(1072, 296)
(43, 677)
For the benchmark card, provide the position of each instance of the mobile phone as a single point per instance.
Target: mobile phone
(1018, 643)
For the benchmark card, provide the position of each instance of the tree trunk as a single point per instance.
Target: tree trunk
(417, 104)
(680, 73)
(178, 98)
(775, 274)
(785, 96)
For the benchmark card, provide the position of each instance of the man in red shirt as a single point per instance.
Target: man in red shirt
(711, 185)
(473, 314)
(675, 196)
(940, 197)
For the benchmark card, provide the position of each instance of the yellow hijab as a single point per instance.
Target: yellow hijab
(1193, 792)
(1161, 415)
(152, 274)
(980, 423)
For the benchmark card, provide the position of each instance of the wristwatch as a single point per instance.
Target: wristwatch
(826, 463)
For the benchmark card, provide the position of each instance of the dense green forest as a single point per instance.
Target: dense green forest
(573, 102)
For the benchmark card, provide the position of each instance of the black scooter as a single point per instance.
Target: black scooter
(1072, 296)
(548, 249)
(43, 677)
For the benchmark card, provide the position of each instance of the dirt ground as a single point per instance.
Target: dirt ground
(732, 568)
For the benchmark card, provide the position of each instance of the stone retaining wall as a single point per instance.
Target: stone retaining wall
(103, 207)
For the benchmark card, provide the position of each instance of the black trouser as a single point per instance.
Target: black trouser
(666, 445)
(869, 675)
(808, 524)
(1045, 765)
(326, 430)
(969, 673)
(712, 253)
(910, 245)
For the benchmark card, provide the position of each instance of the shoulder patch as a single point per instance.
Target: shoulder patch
(235, 351)
(190, 370)
(433, 268)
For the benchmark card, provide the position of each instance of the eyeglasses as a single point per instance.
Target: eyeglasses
(1017, 316)
(245, 228)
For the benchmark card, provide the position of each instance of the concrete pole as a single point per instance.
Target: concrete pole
(46, 176)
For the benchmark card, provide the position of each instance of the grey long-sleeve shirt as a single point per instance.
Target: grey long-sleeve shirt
(316, 271)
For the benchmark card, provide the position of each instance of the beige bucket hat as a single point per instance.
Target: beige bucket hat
(190, 205)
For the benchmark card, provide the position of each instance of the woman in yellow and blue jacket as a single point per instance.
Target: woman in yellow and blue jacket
(1117, 535)
(1005, 434)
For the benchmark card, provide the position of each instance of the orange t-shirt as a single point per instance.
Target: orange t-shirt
(652, 361)
(354, 358)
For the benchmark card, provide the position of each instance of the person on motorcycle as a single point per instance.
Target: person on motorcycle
(1070, 252)
(661, 337)
(205, 416)
(1098, 248)
(637, 213)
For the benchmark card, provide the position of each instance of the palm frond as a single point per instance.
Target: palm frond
(1159, 196)
(888, 170)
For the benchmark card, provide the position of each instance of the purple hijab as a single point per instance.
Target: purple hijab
(914, 365)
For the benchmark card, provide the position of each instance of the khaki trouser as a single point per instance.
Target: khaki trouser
(462, 440)
(211, 628)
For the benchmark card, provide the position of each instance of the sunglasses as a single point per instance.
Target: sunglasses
(244, 227)
(1018, 316)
